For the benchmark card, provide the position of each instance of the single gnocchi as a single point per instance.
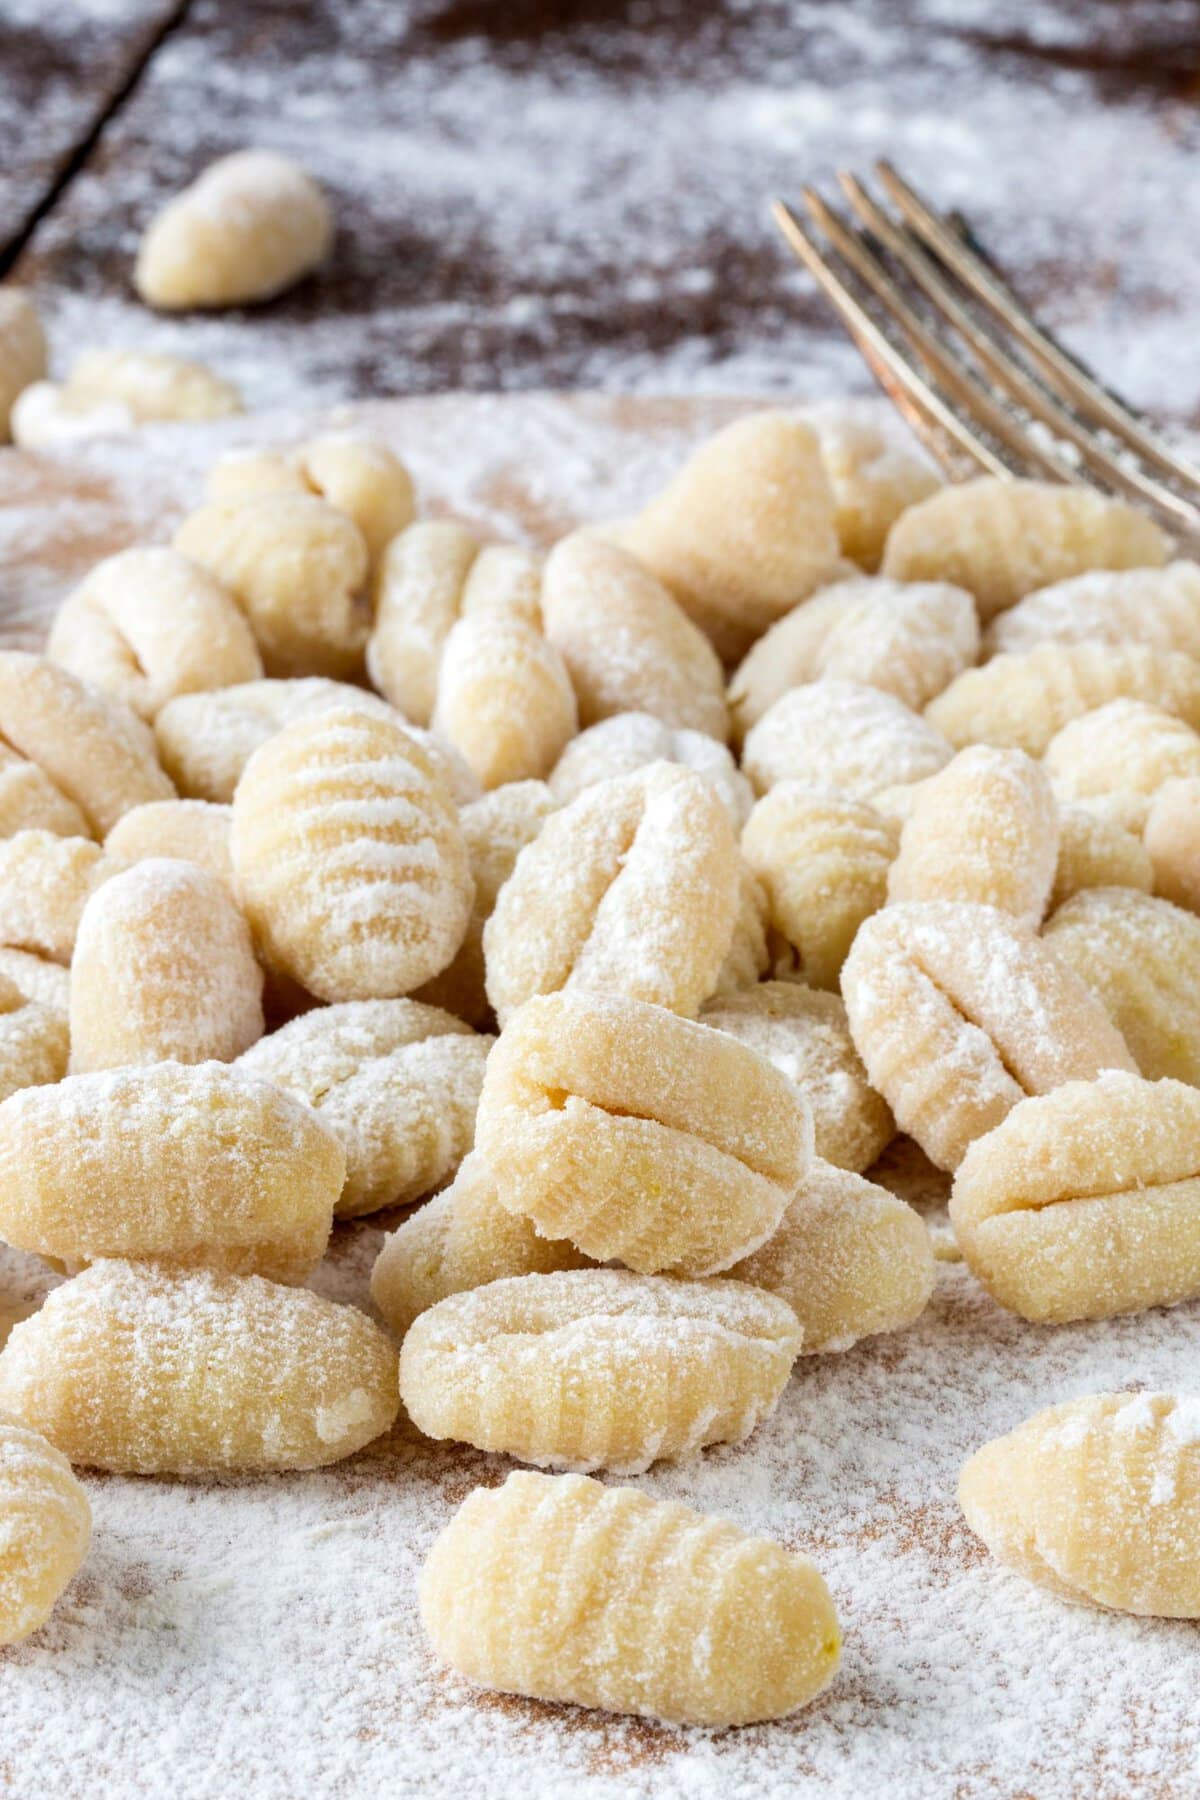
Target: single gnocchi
(633, 889)
(909, 640)
(397, 1083)
(357, 475)
(505, 578)
(1020, 701)
(1156, 607)
(1172, 842)
(251, 225)
(194, 831)
(850, 1259)
(22, 351)
(1001, 539)
(627, 644)
(504, 699)
(45, 1529)
(1141, 958)
(745, 531)
(418, 592)
(461, 1239)
(639, 1135)
(349, 858)
(1098, 1500)
(37, 978)
(1120, 755)
(823, 860)
(1085, 1202)
(666, 1612)
(149, 624)
(1096, 851)
(842, 735)
(188, 1165)
(958, 1012)
(45, 883)
(164, 970)
(147, 1370)
(34, 1041)
(626, 742)
(805, 1034)
(985, 829)
(111, 392)
(597, 1368)
(875, 471)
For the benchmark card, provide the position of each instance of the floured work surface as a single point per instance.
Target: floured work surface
(259, 1637)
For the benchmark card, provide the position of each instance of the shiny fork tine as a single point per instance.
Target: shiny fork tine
(950, 441)
(1007, 374)
(1024, 455)
(1067, 377)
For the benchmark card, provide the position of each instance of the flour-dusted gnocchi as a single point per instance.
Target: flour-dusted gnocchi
(111, 392)
(22, 351)
(297, 567)
(397, 1083)
(745, 531)
(753, 945)
(1021, 701)
(1096, 851)
(628, 741)
(1156, 607)
(842, 735)
(349, 857)
(71, 761)
(907, 640)
(45, 1529)
(1141, 958)
(505, 578)
(1001, 539)
(1085, 1202)
(251, 225)
(823, 860)
(640, 1135)
(37, 978)
(182, 1164)
(146, 625)
(665, 1612)
(34, 1041)
(632, 889)
(461, 1239)
(875, 470)
(804, 1033)
(959, 1011)
(1122, 752)
(1098, 1500)
(627, 643)
(497, 828)
(418, 595)
(1172, 842)
(504, 699)
(164, 970)
(45, 883)
(149, 1370)
(186, 830)
(597, 1368)
(850, 1259)
(356, 474)
(985, 828)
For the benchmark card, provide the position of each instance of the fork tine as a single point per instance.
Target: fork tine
(940, 430)
(1060, 370)
(1009, 374)
(961, 383)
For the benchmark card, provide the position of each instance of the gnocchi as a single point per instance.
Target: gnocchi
(1172, 842)
(33, 1041)
(45, 1529)
(1120, 754)
(111, 392)
(626, 742)
(875, 473)
(504, 699)
(22, 351)
(194, 831)
(1156, 607)
(417, 595)
(842, 735)
(357, 475)
(45, 883)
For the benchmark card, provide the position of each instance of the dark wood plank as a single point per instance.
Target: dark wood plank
(574, 193)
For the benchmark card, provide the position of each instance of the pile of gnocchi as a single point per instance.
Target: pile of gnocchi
(619, 905)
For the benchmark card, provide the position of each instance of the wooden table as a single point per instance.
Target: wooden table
(573, 193)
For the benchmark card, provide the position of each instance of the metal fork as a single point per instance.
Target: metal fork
(980, 382)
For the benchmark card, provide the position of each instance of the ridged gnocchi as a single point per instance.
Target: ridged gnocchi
(597, 1368)
(45, 1529)
(627, 644)
(1156, 607)
(1001, 539)
(745, 531)
(349, 858)
(147, 1370)
(1096, 851)
(633, 889)
(164, 969)
(958, 1012)
(397, 1083)
(146, 625)
(626, 742)
(1085, 1202)
(665, 1612)
(185, 1164)
(504, 699)
(1122, 752)
(249, 226)
(639, 1135)
(842, 735)
(1098, 1500)
(823, 860)
(986, 829)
